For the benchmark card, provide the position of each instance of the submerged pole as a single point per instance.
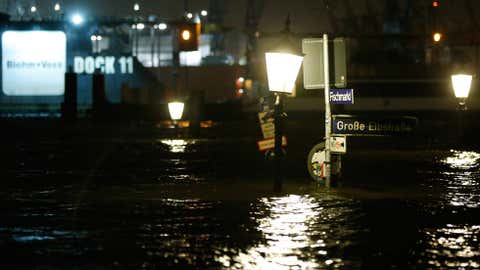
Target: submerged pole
(278, 153)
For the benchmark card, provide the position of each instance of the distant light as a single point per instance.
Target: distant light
(57, 7)
(162, 26)
(204, 13)
(77, 19)
(241, 79)
(437, 37)
(435, 3)
(140, 26)
(189, 15)
(96, 37)
(136, 7)
(186, 35)
(33, 9)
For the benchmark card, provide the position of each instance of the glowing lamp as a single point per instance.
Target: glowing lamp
(186, 34)
(77, 19)
(461, 85)
(176, 110)
(136, 7)
(162, 26)
(282, 71)
(437, 37)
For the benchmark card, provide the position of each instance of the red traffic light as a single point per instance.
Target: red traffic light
(435, 3)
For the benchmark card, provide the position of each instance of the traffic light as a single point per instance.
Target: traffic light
(188, 36)
(435, 3)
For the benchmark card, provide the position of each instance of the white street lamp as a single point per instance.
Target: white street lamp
(176, 110)
(282, 71)
(283, 65)
(461, 85)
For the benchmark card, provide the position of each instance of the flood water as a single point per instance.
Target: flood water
(163, 203)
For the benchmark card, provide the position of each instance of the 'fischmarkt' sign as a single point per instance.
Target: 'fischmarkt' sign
(372, 126)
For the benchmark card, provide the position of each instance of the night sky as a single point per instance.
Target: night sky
(308, 16)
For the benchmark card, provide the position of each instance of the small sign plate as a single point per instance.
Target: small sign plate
(266, 124)
(270, 143)
(354, 125)
(338, 144)
(341, 96)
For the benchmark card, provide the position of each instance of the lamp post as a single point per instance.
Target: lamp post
(175, 109)
(461, 87)
(283, 65)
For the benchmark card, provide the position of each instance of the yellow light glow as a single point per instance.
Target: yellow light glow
(282, 71)
(437, 37)
(186, 35)
(461, 85)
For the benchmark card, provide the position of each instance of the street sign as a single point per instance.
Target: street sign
(313, 74)
(341, 96)
(270, 143)
(355, 125)
(266, 124)
(338, 144)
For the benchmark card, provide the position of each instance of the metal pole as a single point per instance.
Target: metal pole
(328, 114)
(278, 108)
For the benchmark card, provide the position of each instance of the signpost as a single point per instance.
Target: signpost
(316, 72)
(354, 125)
(321, 163)
(341, 96)
(315, 57)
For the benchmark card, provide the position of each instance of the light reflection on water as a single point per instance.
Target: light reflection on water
(462, 159)
(455, 245)
(177, 145)
(287, 232)
(290, 242)
(461, 179)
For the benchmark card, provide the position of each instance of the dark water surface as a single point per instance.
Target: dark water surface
(208, 204)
